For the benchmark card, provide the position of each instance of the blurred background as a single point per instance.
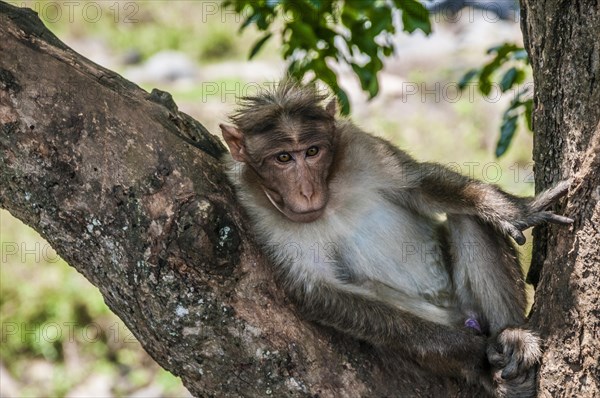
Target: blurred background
(58, 337)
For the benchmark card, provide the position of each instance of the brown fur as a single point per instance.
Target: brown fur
(373, 258)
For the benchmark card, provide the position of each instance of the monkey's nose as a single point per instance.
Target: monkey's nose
(307, 191)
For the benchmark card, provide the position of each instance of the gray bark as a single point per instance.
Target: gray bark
(562, 39)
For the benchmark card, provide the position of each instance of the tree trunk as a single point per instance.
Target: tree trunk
(562, 39)
(106, 173)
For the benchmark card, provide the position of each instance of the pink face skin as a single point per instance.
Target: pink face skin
(297, 183)
(292, 176)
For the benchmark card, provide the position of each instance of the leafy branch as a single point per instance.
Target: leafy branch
(512, 63)
(318, 34)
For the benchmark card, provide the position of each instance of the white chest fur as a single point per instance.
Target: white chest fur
(363, 243)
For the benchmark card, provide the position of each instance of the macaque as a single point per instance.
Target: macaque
(408, 256)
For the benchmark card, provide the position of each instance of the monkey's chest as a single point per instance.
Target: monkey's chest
(383, 248)
(396, 248)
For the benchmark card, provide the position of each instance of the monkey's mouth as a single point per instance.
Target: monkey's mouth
(304, 217)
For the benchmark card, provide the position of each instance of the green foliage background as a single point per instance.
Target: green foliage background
(317, 34)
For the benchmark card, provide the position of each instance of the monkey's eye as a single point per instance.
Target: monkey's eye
(284, 157)
(312, 151)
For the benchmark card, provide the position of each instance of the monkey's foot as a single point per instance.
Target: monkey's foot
(514, 356)
(522, 386)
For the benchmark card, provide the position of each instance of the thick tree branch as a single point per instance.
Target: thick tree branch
(99, 168)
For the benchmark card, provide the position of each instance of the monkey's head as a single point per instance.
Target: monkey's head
(286, 138)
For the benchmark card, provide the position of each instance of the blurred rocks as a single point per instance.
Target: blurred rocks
(9, 387)
(97, 385)
(164, 66)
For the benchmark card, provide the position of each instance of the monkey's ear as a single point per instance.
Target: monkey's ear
(235, 141)
(331, 107)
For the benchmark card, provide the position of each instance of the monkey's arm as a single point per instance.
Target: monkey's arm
(433, 187)
(454, 351)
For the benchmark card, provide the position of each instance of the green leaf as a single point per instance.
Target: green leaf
(348, 17)
(257, 46)
(298, 68)
(359, 4)
(521, 55)
(364, 75)
(325, 73)
(373, 87)
(249, 21)
(381, 19)
(509, 79)
(344, 101)
(327, 76)
(507, 131)
(310, 28)
(466, 78)
(316, 4)
(414, 16)
(504, 49)
(485, 86)
(303, 33)
(485, 77)
(262, 23)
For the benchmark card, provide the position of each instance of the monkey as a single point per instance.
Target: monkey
(408, 256)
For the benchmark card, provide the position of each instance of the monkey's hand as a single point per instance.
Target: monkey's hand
(514, 356)
(533, 212)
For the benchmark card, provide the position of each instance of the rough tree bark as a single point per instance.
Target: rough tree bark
(562, 39)
(104, 171)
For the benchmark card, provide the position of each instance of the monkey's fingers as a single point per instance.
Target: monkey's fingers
(519, 237)
(542, 217)
(496, 356)
(538, 218)
(504, 360)
(516, 351)
(546, 198)
(557, 219)
(513, 368)
(514, 232)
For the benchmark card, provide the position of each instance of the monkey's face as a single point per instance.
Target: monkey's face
(294, 179)
(290, 152)
(291, 169)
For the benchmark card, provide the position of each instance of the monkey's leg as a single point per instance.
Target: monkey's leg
(486, 272)
(446, 350)
(489, 281)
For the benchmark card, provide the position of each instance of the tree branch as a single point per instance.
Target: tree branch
(99, 167)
